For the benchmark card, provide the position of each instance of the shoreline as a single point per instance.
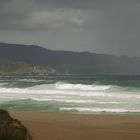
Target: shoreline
(66, 126)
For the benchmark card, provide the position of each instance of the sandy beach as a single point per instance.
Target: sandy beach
(61, 126)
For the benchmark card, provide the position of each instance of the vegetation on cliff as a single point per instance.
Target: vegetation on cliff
(21, 68)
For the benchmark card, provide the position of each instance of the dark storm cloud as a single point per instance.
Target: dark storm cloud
(111, 26)
(14, 14)
(28, 15)
(48, 14)
(83, 3)
(67, 3)
(4, 1)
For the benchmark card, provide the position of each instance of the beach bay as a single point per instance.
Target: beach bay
(64, 126)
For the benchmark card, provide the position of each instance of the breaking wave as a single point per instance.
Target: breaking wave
(65, 96)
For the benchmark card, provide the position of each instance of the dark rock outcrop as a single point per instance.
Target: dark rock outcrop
(12, 129)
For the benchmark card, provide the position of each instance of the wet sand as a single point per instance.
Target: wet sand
(61, 126)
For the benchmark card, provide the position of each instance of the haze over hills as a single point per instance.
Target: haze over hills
(65, 62)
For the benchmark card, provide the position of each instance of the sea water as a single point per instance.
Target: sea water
(92, 94)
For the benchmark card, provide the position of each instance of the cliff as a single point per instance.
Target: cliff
(22, 68)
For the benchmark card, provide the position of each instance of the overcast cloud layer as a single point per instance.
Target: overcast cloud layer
(102, 26)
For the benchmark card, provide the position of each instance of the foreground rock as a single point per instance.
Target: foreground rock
(12, 129)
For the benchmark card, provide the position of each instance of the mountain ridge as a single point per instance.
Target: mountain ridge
(68, 62)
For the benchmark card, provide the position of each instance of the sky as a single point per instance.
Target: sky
(99, 26)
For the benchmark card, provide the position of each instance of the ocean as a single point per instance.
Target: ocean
(91, 94)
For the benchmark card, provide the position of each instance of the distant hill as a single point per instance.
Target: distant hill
(8, 67)
(66, 62)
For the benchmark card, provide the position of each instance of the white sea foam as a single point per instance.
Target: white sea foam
(30, 80)
(46, 90)
(84, 98)
(67, 86)
(73, 101)
(117, 110)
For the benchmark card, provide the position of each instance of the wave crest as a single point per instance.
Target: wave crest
(68, 86)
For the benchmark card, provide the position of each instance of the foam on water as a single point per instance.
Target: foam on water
(68, 90)
(65, 96)
(116, 110)
(67, 86)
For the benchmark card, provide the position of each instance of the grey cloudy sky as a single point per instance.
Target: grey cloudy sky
(101, 26)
